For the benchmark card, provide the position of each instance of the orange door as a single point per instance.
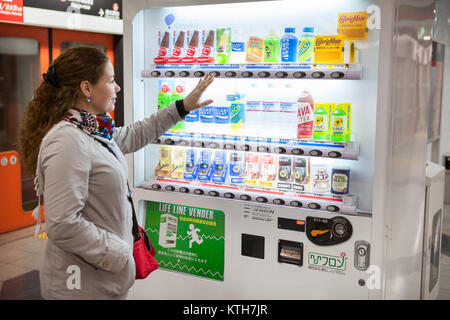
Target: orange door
(64, 39)
(23, 55)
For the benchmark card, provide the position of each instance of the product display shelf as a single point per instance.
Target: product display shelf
(345, 204)
(343, 71)
(314, 148)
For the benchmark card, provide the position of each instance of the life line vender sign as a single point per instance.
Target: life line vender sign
(187, 239)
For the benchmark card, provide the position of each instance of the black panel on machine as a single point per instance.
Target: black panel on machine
(252, 246)
(327, 232)
(291, 224)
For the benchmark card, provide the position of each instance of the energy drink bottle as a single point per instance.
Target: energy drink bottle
(237, 113)
(306, 47)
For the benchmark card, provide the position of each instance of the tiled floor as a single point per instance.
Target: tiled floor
(21, 256)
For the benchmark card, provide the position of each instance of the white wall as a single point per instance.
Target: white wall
(442, 34)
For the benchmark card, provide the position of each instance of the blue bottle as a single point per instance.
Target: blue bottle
(289, 46)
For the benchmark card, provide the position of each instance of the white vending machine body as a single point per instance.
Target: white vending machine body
(290, 244)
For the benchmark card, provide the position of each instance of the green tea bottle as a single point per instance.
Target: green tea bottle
(321, 127)
(272, 49)
(338, 125)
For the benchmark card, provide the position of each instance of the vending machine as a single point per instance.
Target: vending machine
(305, 178)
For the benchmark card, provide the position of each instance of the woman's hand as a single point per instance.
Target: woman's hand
(192, 100)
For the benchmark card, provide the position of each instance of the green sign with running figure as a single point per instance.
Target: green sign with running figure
(187, 239)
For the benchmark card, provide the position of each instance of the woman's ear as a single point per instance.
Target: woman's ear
(85, 87)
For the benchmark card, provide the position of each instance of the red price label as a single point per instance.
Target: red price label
(11, 10)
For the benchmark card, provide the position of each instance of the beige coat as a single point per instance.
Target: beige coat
(88, 216)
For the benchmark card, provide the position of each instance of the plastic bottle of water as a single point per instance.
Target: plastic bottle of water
(271, 112)
(253, 111)
(288, 113)
(221, 115)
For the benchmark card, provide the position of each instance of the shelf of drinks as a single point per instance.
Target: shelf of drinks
(341, 71)
(346, 204)
(325, 149)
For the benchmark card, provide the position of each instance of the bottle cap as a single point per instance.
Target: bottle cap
(308, 29)
(291, 30)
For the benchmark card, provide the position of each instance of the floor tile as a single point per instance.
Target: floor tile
(8, 255)
(31, 261)
(8, 271)
(23, 287)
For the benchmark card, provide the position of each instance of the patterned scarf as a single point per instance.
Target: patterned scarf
(101, 125)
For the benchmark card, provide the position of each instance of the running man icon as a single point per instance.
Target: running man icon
(194, 236)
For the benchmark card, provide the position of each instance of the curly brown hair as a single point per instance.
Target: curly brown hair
(50, 104)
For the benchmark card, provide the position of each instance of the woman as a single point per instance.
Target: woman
(88, 216)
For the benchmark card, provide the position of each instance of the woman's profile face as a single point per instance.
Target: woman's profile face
(104, 92)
